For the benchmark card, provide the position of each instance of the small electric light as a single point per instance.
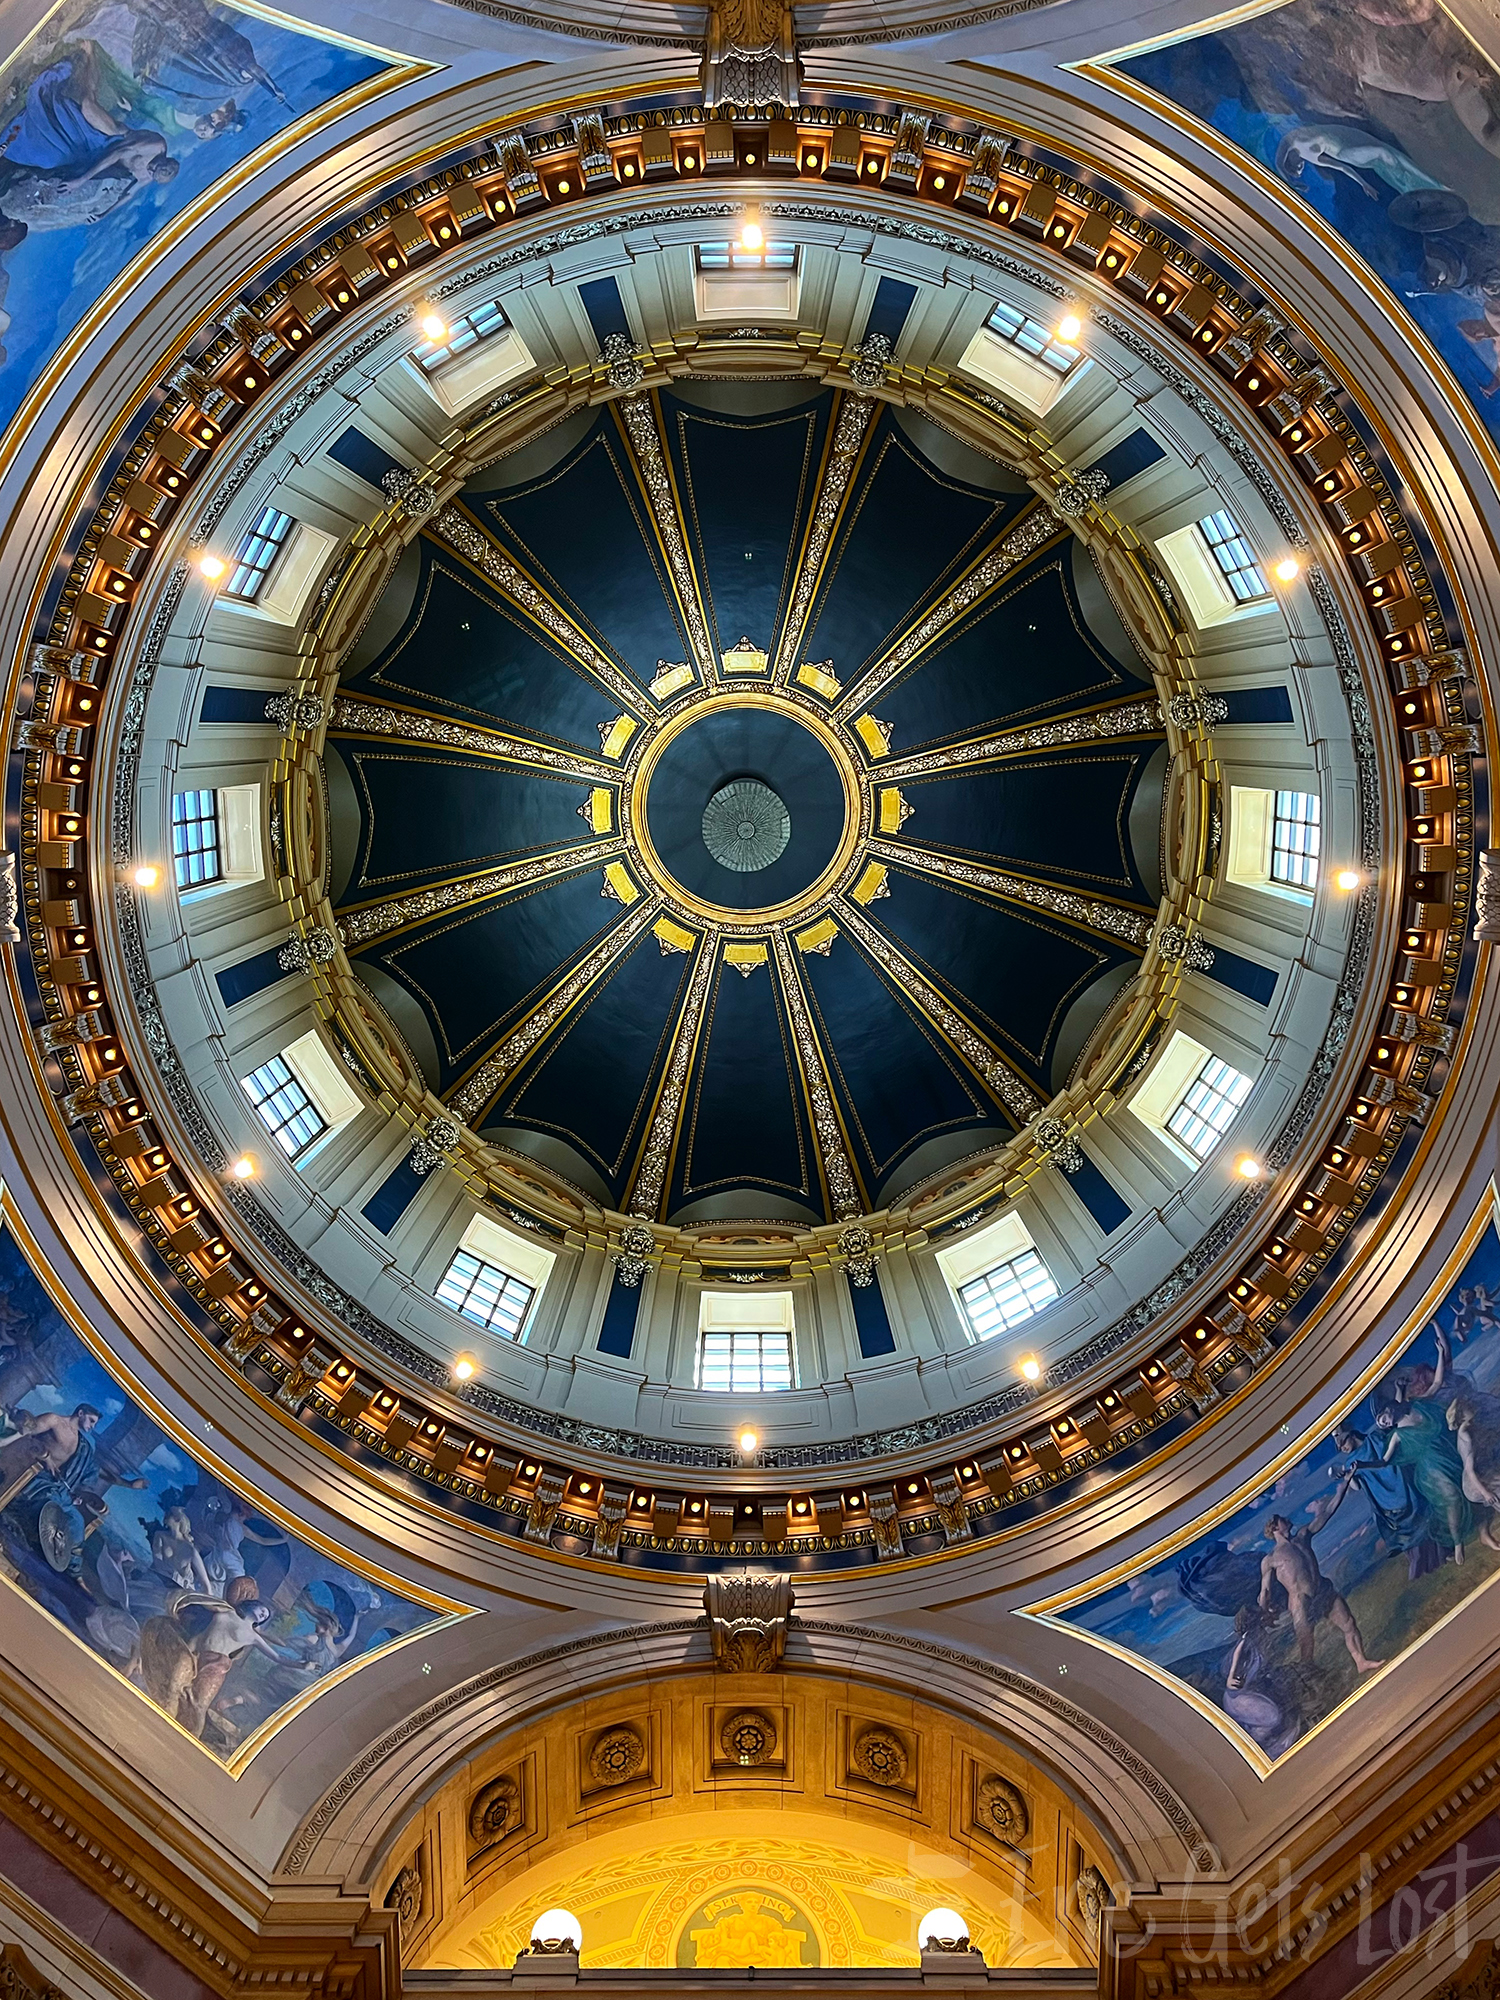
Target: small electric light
(1288, 570)
(942, 1930)
(434, 326)
(748, 1442)
(146, 878)
(211, 566)
(1348, 879)
(752, 236)
(557, 1930)
(463, 1368)
(1248, 1167)
(243, 1168)
(1031, 1368)
(1069, 327)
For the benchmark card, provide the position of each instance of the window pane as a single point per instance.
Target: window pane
(732, 257)
(1033, 338)
(483, 323)
(257, 552)
(195, 839)
(1235, 557)
(744, 1363)
(1004, 1297)
(1207, 1108)
(284, 1107)
(1297, 839)
(485, 1294)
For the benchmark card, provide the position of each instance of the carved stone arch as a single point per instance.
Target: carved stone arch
(1151, 1836)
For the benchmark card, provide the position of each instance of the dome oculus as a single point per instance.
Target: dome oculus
(746, 826)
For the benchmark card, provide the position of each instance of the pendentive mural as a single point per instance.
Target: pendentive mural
(1385, 118)
(115, 115)
(206, 1602)
(1356, 1550)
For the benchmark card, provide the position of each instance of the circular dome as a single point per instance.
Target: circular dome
(746, 826)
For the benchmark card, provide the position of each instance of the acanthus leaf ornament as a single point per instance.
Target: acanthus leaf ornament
(407, 492)
(308, 949)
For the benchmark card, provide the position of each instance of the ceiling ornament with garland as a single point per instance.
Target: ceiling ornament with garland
(1180, 1356)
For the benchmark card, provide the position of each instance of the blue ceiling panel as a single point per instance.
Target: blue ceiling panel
(898, 1085)
(745, 1122)
(746, 486)
(474, 973)
(1024, 652)
(465, 649)
(593, 1086)
(584, 532)
(1011, 971)
(908, 531)
(472, 814)
(1011, 813)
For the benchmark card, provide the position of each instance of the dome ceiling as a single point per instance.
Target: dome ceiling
(560, 710)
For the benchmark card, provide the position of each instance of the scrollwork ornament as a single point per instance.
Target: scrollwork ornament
(407, 492)
(1093, 1898)
(1205, 711)
(1076, 492)
(636, 1245)
(429, 1149)
(1191, 953)
(1058, 1143)
(305, 710)
(307, 950)
(857, 1248)
(871, 359)
(623, 365)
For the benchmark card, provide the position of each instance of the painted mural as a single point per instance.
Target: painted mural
(210, 1607)
(1357, 1550)
(115, 115)
(1386, 119)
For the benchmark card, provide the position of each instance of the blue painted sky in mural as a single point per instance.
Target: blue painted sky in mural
(218, 1614)
(115, 116)
(1386, 120)
(1383, 1571)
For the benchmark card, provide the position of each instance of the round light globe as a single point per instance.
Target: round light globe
(434, 326)
(1031, 1368)
(146, 878)
(1248, 1167)
(943, 1930)
(748, 1442)
(1069, 327)
(1288, 570)
(556, 1929)
(1348, 879)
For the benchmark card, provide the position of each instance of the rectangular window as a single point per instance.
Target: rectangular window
(483, 323)
(731, 257)
(744, 1362)
(1031, 337)
(284, 1107)
(1296, 839)
(1207, 1107)
(256, 555)
(196, 853)
(1235, 557)
(1006, 1295)
(484, 1293)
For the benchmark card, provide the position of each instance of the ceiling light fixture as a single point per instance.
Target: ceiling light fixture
(146, 877)
(748, 1442)
(1248, 1167)
(212, 567)
(1348, 879)
(243, 1168)
(1031, 1368)
(752, 236)
(434, 326)
(463, 1368)
(1288, 570)
(1069, 327)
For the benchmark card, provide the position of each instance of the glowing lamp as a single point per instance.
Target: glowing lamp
(463, 1368)
(1069, 327)
(1348, 879)
(243, 1168)
(146, 877)
(211, 566)
(1248, 1167)
(557, 1930)
(752, 236)
(748, 1442)
(943, 1930)
(1031, 1368)
(1288, 570)
(434, 326)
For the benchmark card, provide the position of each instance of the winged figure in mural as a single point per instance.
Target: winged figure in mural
(183, 45)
